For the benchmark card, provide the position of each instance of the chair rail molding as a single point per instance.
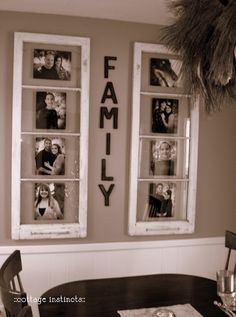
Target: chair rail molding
(110, 246)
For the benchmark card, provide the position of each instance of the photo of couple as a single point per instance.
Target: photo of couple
(52, 64)
(161, 200)
(50, 156)
(164, 115)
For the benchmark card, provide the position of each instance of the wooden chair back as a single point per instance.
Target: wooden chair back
(9, 272)
(13, 302)
(230, 243)
(26, 312)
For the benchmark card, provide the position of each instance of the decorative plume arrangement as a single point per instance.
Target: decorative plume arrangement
(204, 34)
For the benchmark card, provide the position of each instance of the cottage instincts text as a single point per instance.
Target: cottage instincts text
(50, 299)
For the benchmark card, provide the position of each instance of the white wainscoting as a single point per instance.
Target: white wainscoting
(50, 265)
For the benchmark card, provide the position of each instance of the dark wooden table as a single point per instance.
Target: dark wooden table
(103, 297)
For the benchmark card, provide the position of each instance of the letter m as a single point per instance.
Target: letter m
(109, 114)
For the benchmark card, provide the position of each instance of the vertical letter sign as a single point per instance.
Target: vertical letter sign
(105, 113)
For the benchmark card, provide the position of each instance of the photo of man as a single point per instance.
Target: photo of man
(50, 110)
(47, 70)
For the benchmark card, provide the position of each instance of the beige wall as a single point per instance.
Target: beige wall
(217, 164)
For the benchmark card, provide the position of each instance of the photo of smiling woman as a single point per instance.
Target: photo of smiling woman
(47, 205)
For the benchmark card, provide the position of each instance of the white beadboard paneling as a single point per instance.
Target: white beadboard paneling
(50, 265)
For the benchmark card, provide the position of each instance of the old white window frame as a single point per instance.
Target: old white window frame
(77, 228)
(165, 226)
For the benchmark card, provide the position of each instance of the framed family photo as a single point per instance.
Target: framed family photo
(50, 136)
(51, 64)
(164, 142)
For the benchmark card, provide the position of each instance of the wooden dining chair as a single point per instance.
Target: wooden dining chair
(9, 272)
(230, 243)
(11, 289)
(13, 302)
(25, 312)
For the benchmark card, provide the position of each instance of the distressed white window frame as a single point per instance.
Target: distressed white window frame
(54, 230)
(187, 225)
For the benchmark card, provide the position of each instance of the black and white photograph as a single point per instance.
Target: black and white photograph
(161, 199)
(164, 115)
(50, 110)
(163, 158)
(50, 156)
(52, 64)
(49, 201)
(164, 72)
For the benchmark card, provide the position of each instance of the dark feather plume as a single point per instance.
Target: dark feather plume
(204, 34)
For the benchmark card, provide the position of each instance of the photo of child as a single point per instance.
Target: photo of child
(163, 158)
(49, 201)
